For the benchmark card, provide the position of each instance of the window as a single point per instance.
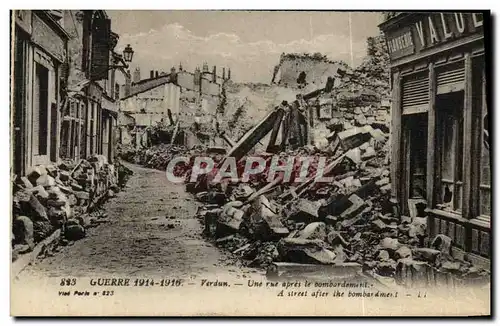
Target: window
(417, 127)
(41, 110)
(485, 169)
(117, 91)
(449, 109)
(92, 128)
(83, 130)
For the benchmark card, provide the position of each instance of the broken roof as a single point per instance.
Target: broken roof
(147, 84)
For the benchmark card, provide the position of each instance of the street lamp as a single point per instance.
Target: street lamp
(128, 53)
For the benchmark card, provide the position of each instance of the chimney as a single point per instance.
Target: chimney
(214, 74)
(173, 75)
(156, 74)
(229, 74)
(223, 73)
(197, 76)
(151, 74)
(137, 75)
(128, 83)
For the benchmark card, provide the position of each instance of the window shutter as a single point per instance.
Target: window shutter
(415, 93)
(100, 49)
(450, 78)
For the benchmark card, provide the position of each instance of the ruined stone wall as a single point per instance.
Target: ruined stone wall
(316, 71)
(73, 24)
(156, 100)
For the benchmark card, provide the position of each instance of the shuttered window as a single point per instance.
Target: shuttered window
(101, 29)
(450, 78)
(415, 93)
(485, 164)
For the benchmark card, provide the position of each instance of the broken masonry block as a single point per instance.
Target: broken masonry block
(403, 252)
(25, 182)
(389, 244)
(228, 221)
(386, 268)
(35, 172)
(64, 175)
(23, 230)
(368, 154)
(346, 223)
(242, 192)
(335, 238)
(380, 124)
(383, 255)
(353, 137)
(27, 204)
(45, 181)
(314, 230)
(356, 207)
(411, 273)
(261, 222)
(431, 256)
(354, 155)
(305, 251)
(442, 243)
(382, 226)
(52, 170)
(82, 195)
(41, 194)
(303, 210)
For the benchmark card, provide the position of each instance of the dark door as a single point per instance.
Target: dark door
(19, 109)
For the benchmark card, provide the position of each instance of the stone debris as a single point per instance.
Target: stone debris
(349, 223)
(64, 197)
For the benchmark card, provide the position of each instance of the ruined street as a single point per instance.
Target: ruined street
(152, 231)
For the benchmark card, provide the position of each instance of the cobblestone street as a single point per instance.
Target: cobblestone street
(152, 231)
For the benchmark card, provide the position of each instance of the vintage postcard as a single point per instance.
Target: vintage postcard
(250, 163)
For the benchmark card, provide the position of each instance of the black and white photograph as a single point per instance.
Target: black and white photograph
(250, 163)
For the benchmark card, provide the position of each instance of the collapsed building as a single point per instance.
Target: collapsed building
(167, 101)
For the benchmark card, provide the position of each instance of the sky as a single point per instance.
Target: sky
(247, 42)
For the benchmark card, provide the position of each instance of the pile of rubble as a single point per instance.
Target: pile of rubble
(159, 156)
(66, 197)
(346, 223)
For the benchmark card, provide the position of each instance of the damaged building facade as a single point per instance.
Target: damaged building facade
(40, 51)
(64, 113)
(64, 86)
(179, 96)
(440, 127)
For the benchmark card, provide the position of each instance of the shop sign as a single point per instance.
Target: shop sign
(431, 30)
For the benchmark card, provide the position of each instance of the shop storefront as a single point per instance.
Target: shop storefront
(39, 49)
(440, 163)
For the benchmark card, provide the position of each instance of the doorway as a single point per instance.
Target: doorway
(415, 160)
